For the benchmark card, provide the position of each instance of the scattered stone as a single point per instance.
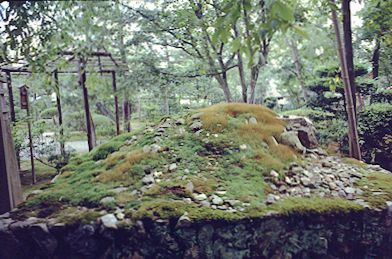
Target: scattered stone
(243, 146)
(148, 179)
(183, 221)
(109, 221)
(120, 215)
(189, 187)
(200, 197)
(271, 199)
(252, 120)
(180, 121)
(220, 193)
(216, 200)
(155, 148)
(349, 190)
(205, 203)
(172, 167)
(197, 116)
(187, 200)
(274, 174)
(107, 200)
(195, 126)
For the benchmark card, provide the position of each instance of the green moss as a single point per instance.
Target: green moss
(102, 151)
(379, 183)
(299, 205)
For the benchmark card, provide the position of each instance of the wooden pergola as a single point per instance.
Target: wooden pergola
(98, 62)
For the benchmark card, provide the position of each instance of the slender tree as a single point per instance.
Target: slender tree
(355, 151)
(348, 46)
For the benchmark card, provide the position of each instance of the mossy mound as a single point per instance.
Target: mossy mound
(212, 163)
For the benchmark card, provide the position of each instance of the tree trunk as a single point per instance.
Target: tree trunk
(116, 111)
(376, 59)
(91, 138)
(10, 97)
(59, 112)
(244, 87)
(126, 111)
(352, 125)
(348, 49)
(298, 67)
(222, 80)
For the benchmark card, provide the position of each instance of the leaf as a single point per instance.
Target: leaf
(236, 44)
(284, 11)
(300, 32)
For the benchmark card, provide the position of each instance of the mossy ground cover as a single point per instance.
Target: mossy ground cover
(230, 154)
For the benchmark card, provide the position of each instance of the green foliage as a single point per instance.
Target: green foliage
(375, 128)
(48, 113)
(102, 151)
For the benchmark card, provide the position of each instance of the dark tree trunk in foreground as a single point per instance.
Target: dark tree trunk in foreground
(376, 59)
(91, 137)
(348, 49)
(116, 111)
(352, 124)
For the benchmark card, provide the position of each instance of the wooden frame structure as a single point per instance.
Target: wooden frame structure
(102, 60)
(10, 187)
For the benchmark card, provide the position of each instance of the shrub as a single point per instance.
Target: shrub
(102, 151)
(375, 130)
(48, 113)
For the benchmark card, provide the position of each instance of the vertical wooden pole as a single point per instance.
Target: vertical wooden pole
(10, 188)
(33, 178)
(82, 83)
(116, 102)
(355, 150)
(11, 97)
(59, 112)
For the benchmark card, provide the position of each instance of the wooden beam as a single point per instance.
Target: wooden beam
(116, 102)
(10, 187)
(89, 122)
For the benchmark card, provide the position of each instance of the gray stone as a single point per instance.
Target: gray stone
(205, 203)
(184, 221)
(107, 200)
(180, 121)
(349, 190)
(216, 200)
(148, 179)
(109, 221)
(270, 199)
(197, 116)
(305, 181)
(172, 167)
(274, 174)
(195, 126)
(189, 187)
(200, 197)
(155, 148)
(252, 120)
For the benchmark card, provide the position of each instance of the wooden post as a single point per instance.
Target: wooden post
(89, 123)
(11, 97)
(10, 188)
(355, 150)
(24, 103)
(59, 112)
(116, 102)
